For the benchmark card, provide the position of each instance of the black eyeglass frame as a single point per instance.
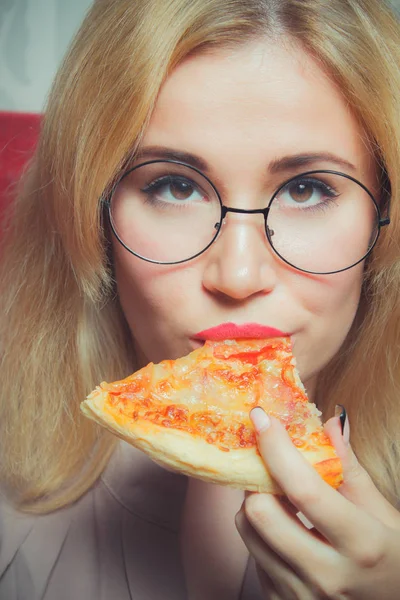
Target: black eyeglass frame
(382, 221)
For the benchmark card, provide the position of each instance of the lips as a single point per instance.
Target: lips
(231, 331)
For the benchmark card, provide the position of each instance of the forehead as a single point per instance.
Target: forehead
(257, 102)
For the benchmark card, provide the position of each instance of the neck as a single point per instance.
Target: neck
(213, 554)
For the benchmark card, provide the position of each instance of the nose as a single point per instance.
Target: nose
(240, 263)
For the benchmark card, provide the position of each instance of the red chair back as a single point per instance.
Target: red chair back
(18, 137)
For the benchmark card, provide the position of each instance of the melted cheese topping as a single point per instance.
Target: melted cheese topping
(210, 392)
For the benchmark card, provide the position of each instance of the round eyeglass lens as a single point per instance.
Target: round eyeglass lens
(322, 222)
(165, 212)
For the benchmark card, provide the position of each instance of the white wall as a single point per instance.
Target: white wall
(34, 35)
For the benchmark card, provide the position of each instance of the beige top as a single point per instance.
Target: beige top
(118, 542)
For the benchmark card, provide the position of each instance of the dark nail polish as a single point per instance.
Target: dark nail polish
(340, 412)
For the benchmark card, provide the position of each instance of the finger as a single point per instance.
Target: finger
(339, 520)
(358, 485)
(268, 588)
(294, 511)
(273, 571)
(267, 585)
(285, 535)
(284, 500)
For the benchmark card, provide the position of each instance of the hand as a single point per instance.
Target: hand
(351, 550)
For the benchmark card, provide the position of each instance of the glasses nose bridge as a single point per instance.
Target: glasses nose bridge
(245, 211)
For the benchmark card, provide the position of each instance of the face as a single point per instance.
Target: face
(240, 112)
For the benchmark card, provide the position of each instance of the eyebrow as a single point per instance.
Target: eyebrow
(276, 166)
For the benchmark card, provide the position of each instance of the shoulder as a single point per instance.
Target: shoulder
(14, 529)
(104, 541)
(29, 548)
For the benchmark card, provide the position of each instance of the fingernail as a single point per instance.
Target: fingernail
(340, 412)
(304, 520)
(260, 419)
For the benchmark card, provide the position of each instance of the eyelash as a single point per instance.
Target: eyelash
(328, 191)
(164, 180)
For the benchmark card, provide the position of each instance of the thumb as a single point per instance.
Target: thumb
(357, 486)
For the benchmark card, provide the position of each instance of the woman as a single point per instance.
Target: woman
(246, 97)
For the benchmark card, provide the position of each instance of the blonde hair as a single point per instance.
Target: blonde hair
(61, 327)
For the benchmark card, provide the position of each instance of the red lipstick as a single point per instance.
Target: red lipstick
(230, 331)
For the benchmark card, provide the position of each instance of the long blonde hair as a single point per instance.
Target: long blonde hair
(61, 327)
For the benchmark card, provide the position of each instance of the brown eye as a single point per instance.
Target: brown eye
(181, 190)
(301, 192)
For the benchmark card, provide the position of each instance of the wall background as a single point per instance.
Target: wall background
(34, 35)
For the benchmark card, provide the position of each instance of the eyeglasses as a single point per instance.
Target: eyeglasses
(319, 222)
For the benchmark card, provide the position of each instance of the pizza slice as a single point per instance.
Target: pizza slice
(192, 414)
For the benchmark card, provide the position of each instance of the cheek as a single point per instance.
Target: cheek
(336, 294)
(139, 290)
(152, 288)
(156, 301)
(331, 303)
